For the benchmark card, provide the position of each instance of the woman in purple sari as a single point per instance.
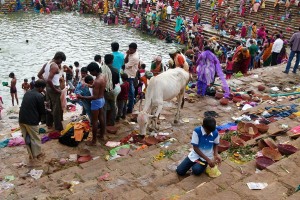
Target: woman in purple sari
(208, 66)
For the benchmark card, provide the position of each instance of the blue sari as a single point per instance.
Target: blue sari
(179, 22)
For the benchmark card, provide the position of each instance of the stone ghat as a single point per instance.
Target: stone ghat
(141, 175)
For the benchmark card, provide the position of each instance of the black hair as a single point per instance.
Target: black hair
(114, 46)
(108, 59)
(84, 69)
(60, 55)
(143, 66)
(40, 83)
(230, 58)
(207, 48)
(209, 124)
(33, 78)
(93, 67)
(11, 75)
(277, 35)
(124, 77)
(88, 79)
(238, 42)
(76, 64)
(71, 67)
(97, 58)
(25, 80)
(133, 45)
(27, 41)
(251, 42)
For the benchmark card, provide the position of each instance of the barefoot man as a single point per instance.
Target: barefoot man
(51, 73)
(97, 101)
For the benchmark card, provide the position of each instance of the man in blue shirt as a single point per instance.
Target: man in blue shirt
(205, 140)
(118, 61)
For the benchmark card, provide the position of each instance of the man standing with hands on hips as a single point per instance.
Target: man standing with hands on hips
(132, 61)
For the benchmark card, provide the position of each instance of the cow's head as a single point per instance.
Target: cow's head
(143, 121)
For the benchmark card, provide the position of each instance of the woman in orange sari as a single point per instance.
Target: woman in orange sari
(220, 3)
(157, 66)
(266, 57)
(242, 61)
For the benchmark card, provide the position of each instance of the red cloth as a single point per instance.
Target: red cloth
(124, 91)
(229, 65)
(243, 32)
(195, 19)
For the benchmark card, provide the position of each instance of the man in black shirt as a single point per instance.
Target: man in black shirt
(31, 110)
(111, 96)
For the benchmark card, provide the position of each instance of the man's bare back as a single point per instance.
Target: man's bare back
(99, 86)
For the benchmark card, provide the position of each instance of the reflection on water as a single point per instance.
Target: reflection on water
(80, 37)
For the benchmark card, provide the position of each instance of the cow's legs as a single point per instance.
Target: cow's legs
(157, 113)
(179, 99)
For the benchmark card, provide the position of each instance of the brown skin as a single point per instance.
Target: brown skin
(14, 96)
(97, 115)
(217, 157)
(128, 52)
(54, 69)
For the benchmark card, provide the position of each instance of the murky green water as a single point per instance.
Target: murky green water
(80, 37)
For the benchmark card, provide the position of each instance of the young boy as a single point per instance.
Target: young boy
(32, 82)
(13, 89)
(25, 85)
(205, 140)
(123, 97)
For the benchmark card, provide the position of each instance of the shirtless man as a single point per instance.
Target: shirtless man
(50, 72)
(97, 102)
(13, 89)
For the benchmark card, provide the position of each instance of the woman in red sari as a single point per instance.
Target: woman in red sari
(242, 61)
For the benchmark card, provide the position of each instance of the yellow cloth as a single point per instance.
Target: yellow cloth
(69, 125)
(213, 172)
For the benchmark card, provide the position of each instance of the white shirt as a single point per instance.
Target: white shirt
(169, 10)
(193, 156)
(131, 1)
(133, 65)
(248, 42)
(277, 45)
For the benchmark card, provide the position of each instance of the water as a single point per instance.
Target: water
(80, 37)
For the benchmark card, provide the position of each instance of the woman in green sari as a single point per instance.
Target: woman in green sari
(267, 55)
(179, 22)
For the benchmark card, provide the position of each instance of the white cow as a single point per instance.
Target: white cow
(163, 87)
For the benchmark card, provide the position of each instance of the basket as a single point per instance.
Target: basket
(287, 149)
(237, 141)
(263, 162)
(262, 128)
(271, 153)
(223, 146)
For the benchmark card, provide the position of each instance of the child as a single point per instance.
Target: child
(25, 85)
(229, 68)
(32, 82)
(123, 97)
(169, 12)
(205, 140)
(1, 107)
(13, 89)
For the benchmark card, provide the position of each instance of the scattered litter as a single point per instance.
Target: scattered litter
(246, 107)
(113, 152)
(284, 126)
(112, 144)
(104, 177)
(96, 157)
(73, 157)
(9, 178)
(213, 172)
(275, 89)
(164, 134)
(186, 120)
(45, 139)
(287, 89)
(36, 174)
(42, 130)
(165, 144)
(256, 186)
(132, 123)
(162, 117)
(297, 189)
(16, 134)
(5, 185)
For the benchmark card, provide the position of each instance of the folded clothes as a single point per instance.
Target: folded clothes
(226, 126)
(16, 142)
(4, 143)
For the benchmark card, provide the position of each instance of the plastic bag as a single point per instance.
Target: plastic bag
(63, 99)
(213, 172)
